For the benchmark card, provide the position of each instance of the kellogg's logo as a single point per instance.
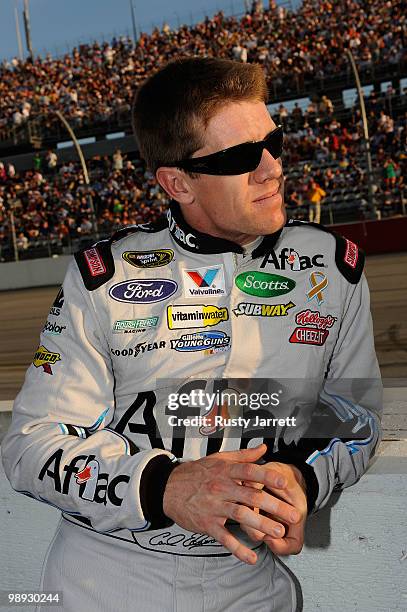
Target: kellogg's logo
(143, 291)
(311, 317)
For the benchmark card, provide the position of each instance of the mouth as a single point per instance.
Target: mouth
(267, 196)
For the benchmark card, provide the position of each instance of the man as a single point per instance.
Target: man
(160, 515)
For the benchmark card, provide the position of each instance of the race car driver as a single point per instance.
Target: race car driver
(157, 514)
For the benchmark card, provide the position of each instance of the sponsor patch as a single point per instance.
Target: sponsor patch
(315, 319)
(351, 253)
(318, 282)
(306, 335)
(198, 315)
(53, 328)
(204, 281)
(95, 262)
(262, 310)
(148, 259)
(143, 291)
(93, 486)
(129, 326)
(58, 303)
(45, 359)
(263, 284)
(139, 349)
(186, 238)
(290, 259)
(211, 341)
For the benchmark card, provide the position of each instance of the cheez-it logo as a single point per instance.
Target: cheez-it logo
(351, 254)
(94, 261)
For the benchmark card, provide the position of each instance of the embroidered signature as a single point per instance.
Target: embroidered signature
(194, 541)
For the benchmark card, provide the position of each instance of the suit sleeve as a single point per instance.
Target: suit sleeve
(344, 428)
(59, 448)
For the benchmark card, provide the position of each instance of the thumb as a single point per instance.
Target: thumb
(244, 455)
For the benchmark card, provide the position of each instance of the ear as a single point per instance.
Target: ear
(175, 183)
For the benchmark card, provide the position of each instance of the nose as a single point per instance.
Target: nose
(268, 168)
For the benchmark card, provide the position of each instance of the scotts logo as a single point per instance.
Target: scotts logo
(148, 259)
(45, 359)
(201, 341)
(53, 328)
(129, 326)
(187, 239)
(58, 303)
(262, 310)
(290, 259)
(185, 317)
(316, 331)
(351, 254)
(263, 284)
(139, 349)
(95, 262)
(89, 483)
(143, 291)
(204, 281)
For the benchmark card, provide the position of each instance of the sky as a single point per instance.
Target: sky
(59, 25)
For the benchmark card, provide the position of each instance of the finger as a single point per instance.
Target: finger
(254, 534)
(233, 545)
(291, 544)
(261, 500)
(244, 454)
(249, 518)
(284, 546)
(250, 472)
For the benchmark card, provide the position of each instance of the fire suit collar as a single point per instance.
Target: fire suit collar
(194, 241)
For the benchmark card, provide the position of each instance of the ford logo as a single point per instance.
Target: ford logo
(143, 291)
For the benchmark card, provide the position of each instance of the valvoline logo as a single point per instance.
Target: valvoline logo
(203, 280)
(143, 291)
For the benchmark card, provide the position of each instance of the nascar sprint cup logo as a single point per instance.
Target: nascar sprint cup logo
(143, 291)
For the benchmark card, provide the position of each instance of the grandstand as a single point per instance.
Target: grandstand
(45, 203)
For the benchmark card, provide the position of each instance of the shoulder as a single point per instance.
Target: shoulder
(349, 258)
(97, 263)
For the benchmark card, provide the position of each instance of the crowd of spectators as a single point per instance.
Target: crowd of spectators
(96, 82)
(323, 156)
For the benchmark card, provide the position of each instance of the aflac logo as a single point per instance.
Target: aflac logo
(143, 291)
(294, 261)
(204, 281)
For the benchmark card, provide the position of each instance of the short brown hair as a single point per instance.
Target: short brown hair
(173, 106)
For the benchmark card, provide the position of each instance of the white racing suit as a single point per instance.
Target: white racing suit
(162, 308)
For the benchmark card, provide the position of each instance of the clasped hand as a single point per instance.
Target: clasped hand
(268, 501)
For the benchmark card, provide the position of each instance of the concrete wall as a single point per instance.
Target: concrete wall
(354, 560)
(33, 272)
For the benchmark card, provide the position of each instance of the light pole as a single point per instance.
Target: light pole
(133, 21)
(18, 34)
(365, 131)
(84, 168)
(27, 27)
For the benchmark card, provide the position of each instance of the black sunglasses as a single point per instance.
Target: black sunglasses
(239, 159)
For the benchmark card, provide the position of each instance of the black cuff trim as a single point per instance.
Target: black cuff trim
(152, 486)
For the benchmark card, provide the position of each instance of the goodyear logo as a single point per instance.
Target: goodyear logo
(45, 359)
(184, 317)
